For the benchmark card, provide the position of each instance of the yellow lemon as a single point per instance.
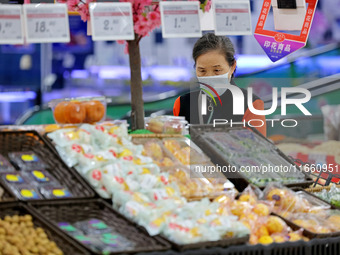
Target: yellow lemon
(223, 199)
(261, 209)
(238, 208)
(246, 224)
(276, 195)
(247, 198)
(275, 224)
(278, 238)
(262, 231)
(222, 211)
(265, 240)
(249, 216)
(294, 237)
(253, 239)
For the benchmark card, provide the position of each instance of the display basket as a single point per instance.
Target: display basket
(20, 141)
(63, 242)
(78, 210)
(239, 179)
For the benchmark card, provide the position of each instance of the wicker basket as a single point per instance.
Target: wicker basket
(64, 243)
(16, 141)
(79, 210)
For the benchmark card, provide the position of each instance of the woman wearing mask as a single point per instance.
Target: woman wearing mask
(215, 66)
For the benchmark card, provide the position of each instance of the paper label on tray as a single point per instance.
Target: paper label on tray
(232, 18)
(180, 19)
(111, 21)
(46, 23)
(11, 29)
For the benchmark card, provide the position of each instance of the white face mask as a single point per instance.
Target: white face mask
(219, 82)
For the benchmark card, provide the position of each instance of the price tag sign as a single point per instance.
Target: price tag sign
(111, 21)
(11, 30)
(46, 23)
(232, 17)
(180, 19)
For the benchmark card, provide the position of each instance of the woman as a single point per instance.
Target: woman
(215, 66)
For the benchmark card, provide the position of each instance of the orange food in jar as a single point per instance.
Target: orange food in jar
(75, 112)
(95, 111)
(59, 112)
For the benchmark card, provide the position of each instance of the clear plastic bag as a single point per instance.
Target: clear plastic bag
(331, 116)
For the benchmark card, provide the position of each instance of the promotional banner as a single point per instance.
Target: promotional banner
(278, 45)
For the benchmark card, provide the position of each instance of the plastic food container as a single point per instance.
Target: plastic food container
(166, 125)
(79, 110)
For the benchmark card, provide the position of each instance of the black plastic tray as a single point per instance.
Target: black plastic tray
(63, 242)
(16, 141)
(7, 197)
(78, 210)
(202, 245)
(238, 179)
(325, 246)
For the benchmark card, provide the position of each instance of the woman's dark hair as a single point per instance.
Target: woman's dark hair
(211, 42)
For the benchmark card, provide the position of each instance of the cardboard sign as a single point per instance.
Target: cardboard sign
(111, 21)
(11, 30)
(46, 23)
(232, 17)
(180, 19)
(278, 45)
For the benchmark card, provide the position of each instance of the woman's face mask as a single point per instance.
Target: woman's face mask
(218, 82)
(213, 69)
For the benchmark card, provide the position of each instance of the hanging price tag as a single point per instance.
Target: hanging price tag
(11, 31)
(111, 21)
(232, 17)
(180, 19)
(46, 23)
